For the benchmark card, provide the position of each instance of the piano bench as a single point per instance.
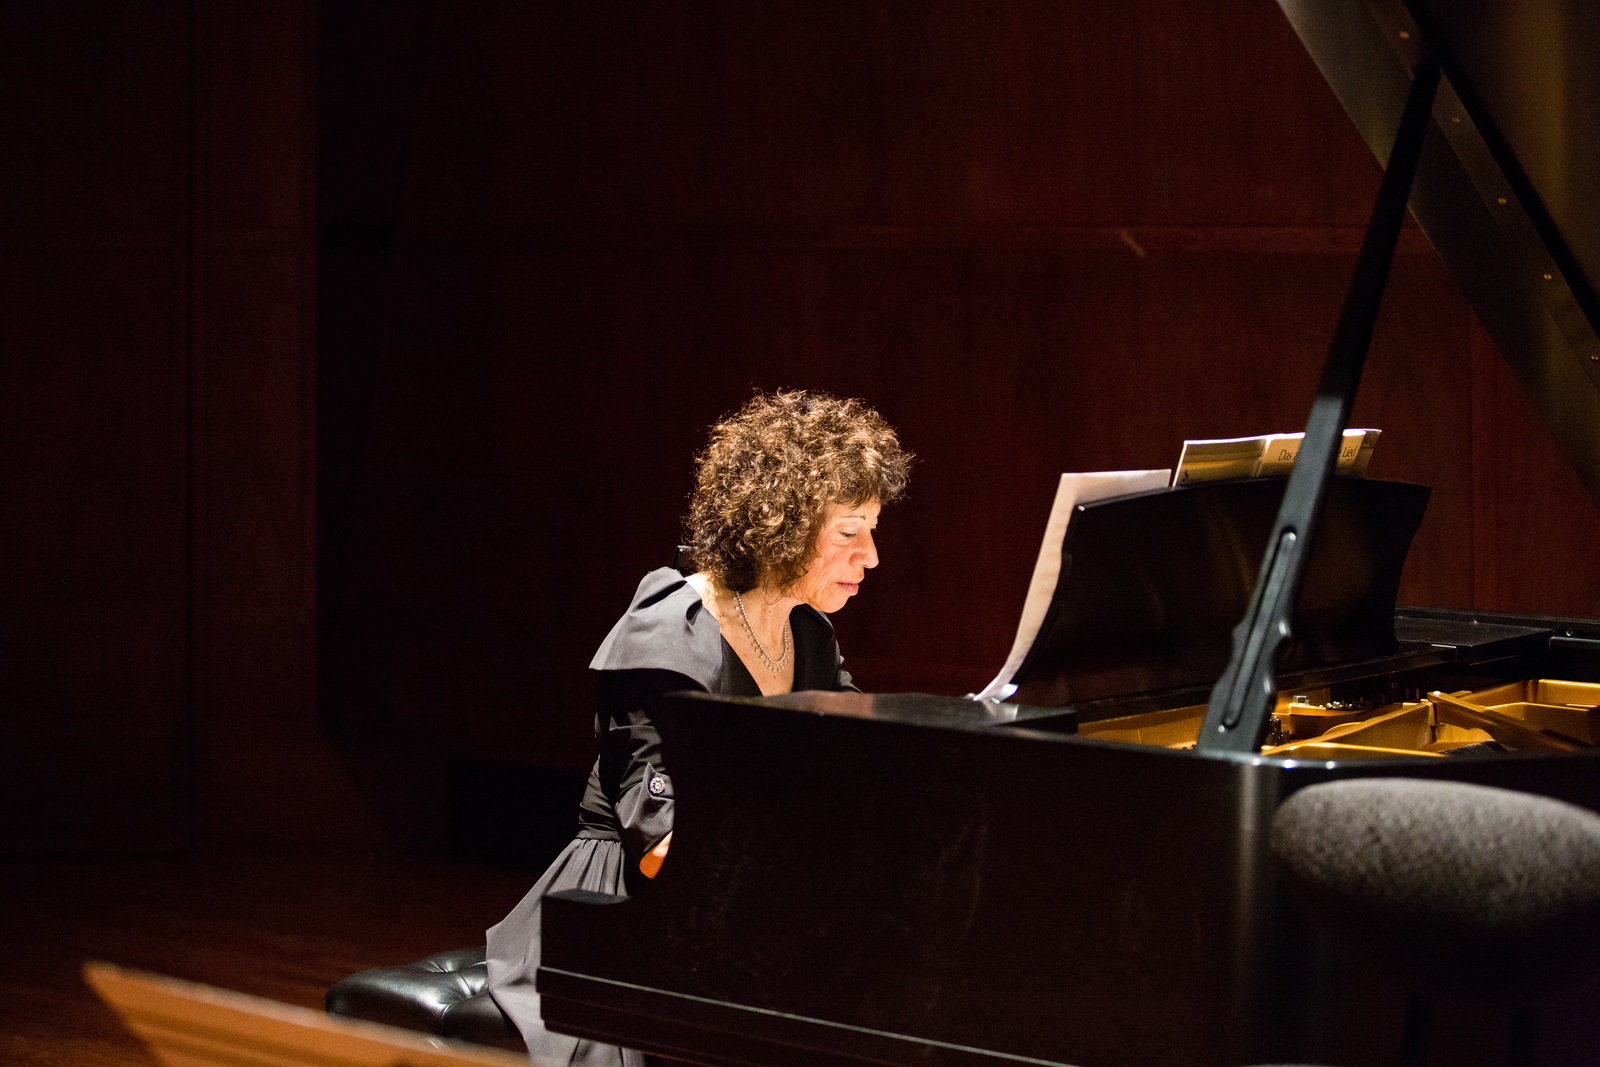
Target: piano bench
(445, 994)
(1456, 890)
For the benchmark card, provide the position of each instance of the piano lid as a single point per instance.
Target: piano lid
(1508, 188)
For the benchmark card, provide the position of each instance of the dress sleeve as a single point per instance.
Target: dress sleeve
(841, 677)
(843, 680)
(632, 772)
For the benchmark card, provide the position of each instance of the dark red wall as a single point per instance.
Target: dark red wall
(544, 246)
(157, 423)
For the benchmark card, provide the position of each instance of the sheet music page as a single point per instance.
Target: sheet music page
(1074, 489)
(1227, 458)
(1279, 452)
(1357, 463)
(1219, 459)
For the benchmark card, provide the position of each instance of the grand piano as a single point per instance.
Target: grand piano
(1079, 874)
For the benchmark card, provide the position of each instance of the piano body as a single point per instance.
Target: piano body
(1068, 877)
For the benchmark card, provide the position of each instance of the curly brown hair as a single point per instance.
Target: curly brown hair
(764, 483)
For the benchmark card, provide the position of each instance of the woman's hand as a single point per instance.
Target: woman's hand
(650, 862)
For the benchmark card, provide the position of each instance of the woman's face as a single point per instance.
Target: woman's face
(841, 556)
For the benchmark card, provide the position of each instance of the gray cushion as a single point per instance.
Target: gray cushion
(1452, 887)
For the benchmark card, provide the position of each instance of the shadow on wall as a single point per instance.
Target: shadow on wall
(468, 809)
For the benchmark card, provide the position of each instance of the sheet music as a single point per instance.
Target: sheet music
(1074, 489)
(1225, 458)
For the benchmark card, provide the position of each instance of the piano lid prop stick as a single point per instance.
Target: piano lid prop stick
(1243, 698)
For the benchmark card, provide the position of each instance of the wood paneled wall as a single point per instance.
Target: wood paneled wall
(95, 340)
(356, 353)
(159, 605)
(263, 773)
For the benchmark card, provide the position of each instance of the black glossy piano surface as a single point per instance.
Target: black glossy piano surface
(925, 880)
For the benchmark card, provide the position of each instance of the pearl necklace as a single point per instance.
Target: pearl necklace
(773, 665)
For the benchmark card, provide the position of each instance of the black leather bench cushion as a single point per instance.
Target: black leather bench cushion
(445, 994)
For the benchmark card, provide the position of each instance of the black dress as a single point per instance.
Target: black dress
(667, 642)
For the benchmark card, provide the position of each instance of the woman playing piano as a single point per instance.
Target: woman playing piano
(786, 497)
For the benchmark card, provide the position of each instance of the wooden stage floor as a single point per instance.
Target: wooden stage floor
(279, 927)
